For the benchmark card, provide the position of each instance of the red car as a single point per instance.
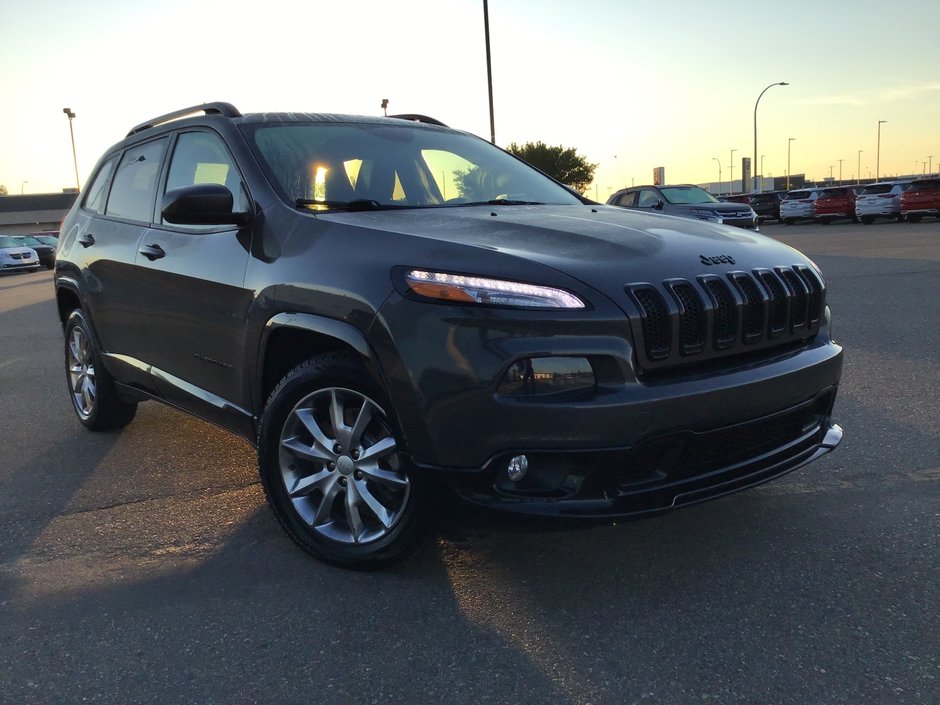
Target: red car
(836, 202)
(920, 198)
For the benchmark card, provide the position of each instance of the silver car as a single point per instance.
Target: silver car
(15, 257)
(881, 200)
(799, 205)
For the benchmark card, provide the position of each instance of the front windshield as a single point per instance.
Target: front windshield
(685, 195)
(11, 242)
(27, 241)
(357, 166)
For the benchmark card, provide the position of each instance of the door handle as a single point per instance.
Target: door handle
(152, 252)
(86, 240)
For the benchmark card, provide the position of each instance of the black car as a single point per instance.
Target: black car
(45, 251)
(385, 306)
(766, 204)
(685, 201)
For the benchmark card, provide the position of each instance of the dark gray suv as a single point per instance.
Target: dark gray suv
(685, 201)
(386, 306)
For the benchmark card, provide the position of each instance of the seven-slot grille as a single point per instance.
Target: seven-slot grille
(681, 322)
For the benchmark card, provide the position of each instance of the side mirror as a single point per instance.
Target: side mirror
(658, 205)
(201, 204)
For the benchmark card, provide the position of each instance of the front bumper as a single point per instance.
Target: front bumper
(662, 473)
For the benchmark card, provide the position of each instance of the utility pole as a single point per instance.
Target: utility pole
(71, 115)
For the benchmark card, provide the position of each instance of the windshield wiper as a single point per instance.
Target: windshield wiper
(359, 204)
(504, 202)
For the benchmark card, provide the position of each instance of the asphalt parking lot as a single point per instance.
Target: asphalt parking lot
(144, 567)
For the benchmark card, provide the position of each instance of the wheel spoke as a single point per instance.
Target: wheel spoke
(336, 415)
(306, 485)
(384, 477)
(75, 349)
(325, 508)
(374, 504)
(362, 420)
(353, 519)
(380, 449)
(310, 423)
(307, 452)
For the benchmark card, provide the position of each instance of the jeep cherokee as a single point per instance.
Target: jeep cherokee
(381, 303)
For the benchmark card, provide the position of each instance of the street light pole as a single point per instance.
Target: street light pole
(760, 185)
(781, 83)
(840, 171)
(719, 174)
(878, 155)
(731, 175)
(858, 181)
(22, 186)
(489, 69)
(71, 115)
(789, 142)
(930, 163)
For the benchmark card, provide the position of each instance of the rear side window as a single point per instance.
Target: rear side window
(627, 200)
(135, 182)
(95, 195)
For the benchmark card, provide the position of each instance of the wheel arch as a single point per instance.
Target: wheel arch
(290, 338)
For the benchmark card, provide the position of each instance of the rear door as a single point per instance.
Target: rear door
(190, 281)
(115, 212)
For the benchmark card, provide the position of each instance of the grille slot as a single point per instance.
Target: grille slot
(779, 303)
(682, 322)
(725, 320)
(754, 309)
(655, 317)
(692, 317)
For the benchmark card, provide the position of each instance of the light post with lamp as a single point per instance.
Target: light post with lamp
(789, 142)
(780, 83)
(858, 180)
(71, 116)
(878, 154)
(731, 174)
(760, 185)
(719, 174)
(840, 171)
(489, 68)
(23, 186)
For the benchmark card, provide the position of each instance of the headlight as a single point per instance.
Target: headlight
(483, 290)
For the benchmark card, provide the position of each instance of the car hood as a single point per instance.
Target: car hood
(17, 251)
(602, 246)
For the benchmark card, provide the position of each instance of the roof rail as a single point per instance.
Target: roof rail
(224, 109)
(414, 117)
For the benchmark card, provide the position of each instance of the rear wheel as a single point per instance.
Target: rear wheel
(330, 464)
(789, 221)
(91, 388)
(868, 219)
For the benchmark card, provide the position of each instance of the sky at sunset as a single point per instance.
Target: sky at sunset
(630, 85)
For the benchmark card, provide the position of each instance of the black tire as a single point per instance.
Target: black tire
(789, 221)
(825, 221)
(914, 218)
(354, 507)
(868, 219)
(94, 396)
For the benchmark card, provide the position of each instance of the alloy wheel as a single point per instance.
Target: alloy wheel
(340, 466)
(81, 370)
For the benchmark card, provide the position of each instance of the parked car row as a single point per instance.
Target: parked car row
(908, 200)
(27, 252)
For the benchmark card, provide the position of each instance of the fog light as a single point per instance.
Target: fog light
(517, 467)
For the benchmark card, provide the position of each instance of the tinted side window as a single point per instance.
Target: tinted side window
(648, 199)
(628, 200)
(135, 182)
(95, 195)
(202, 158)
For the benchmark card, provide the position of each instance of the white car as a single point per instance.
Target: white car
(799, 205)
(13, 256)
(881, 200)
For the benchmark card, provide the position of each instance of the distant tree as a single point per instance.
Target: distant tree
(561, 163)
(470, 184)
(3, 190)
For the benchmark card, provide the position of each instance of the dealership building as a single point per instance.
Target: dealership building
(34, 212)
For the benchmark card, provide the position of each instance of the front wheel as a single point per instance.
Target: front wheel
(330, 462)
(94, 396)
(867, 219)
(913, 218)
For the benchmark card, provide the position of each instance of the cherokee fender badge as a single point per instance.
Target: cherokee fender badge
(717, 259)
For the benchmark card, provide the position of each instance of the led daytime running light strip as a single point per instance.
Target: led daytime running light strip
(482, 290)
